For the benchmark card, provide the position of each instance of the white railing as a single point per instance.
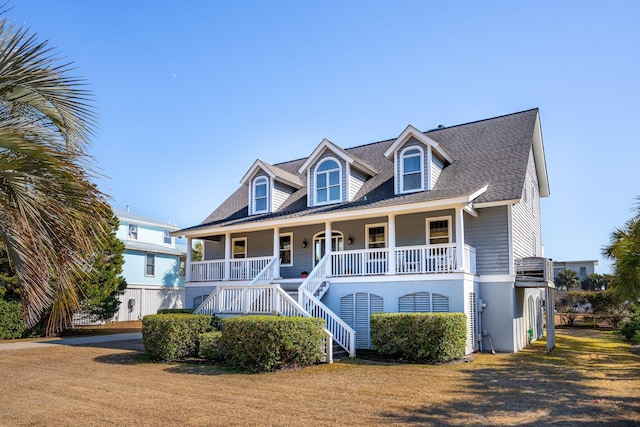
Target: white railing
(239, 269)
(426, 259)
(316, 278)
(269, 272)
(343, 334)
(259, 299)
(247, 268)
(534, 269)
(205, 271)
(364, 262)
(470, 259)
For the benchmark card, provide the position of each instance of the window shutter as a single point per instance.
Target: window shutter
(440, 303)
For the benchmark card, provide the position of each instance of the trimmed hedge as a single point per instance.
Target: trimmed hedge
(210, 346)
(267, 343)
(420, 337)
(173, 336)
(176, 310)
(11, 322)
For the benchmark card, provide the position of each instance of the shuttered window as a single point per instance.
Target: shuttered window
(423, 302)
(356, 310)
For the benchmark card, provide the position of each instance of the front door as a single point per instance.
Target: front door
(319, 245)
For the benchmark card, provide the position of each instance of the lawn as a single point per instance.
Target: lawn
(590, 379)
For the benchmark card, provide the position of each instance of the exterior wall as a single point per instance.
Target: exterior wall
(583, 268)
(312, 184)
(356, 181)
(526, 223)
(411, 228)
(138, 301)
(302, 257)
(167, 269)
(281, 193)
(192, 291)
(213, 250)
(436, 167)
(489, 235)
(357, 230)
(146, 234)
(497, 318)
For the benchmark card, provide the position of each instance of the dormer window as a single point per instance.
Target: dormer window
(411, 162)
(260, 195)
(328, 188)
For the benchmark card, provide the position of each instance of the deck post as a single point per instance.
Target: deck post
(227, 256)
(460, 261)
(392, 243)
(328, 240)
(187, 272)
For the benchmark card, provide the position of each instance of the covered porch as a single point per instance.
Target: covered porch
(372, 244)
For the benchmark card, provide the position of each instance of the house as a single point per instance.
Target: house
(583, 268)
(445, 220)
(153, 266)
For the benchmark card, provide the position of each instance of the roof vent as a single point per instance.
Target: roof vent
(441, 126)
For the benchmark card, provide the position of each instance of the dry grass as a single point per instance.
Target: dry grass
(591, 378)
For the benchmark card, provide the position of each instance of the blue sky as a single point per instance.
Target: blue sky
(189, 94)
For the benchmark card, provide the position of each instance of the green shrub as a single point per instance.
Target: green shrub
(631, 326)
(267, 343)
(11, 322)
(173, 336)
(210, 346)
(176, 310)
(420, 337)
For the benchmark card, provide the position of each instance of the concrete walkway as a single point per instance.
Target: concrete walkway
(74, 341)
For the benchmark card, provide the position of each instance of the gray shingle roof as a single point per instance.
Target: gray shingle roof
(492, 152)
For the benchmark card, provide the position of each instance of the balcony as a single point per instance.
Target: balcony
(426, 259)
(534, 272)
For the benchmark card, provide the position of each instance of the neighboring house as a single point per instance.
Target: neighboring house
(583, 268)
(153, 266)
(446, 220)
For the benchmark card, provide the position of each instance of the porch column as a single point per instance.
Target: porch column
(327, 245)
(276, 248)
(391, 221)
(460, 238)
(227, 256)
(187, 267)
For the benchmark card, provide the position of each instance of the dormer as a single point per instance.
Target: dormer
(269, 187)
(418, 161)
(333, 175)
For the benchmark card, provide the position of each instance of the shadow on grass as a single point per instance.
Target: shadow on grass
(130, 358)
(532, 388)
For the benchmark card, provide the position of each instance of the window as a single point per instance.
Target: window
(239, 247)
(286, 251)
(583, 272)
(150, 267)
(167, 237)
(376, 236)
(411, 170)
(199, 300)
(133, 231)
(260, 195)
(438, 230)
(328, 182)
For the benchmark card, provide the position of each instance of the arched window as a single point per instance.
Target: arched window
(328, 188)
(260, 195)
(411, 163)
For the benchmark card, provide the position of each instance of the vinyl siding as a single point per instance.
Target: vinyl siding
(281, 193)
(356, 181)
(213, 250)
(302, 257)
(436, 167)
(526, 218)
(356, 229)
(489, 235)
(410, 229)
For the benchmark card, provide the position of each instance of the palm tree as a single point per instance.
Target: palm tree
(624, 250)
(50, 212)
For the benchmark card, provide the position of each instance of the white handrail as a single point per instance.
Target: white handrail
(268, 273)
(343, 334)
(362, 262)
